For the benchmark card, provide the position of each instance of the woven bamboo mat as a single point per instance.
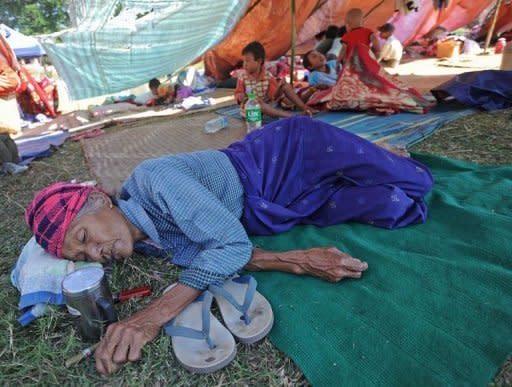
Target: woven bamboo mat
(113, 156)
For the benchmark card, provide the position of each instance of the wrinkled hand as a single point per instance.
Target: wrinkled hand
(123, 342)
(331, 264)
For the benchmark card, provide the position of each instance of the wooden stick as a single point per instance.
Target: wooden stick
(294, 36)
(87, 352)
(490, 33)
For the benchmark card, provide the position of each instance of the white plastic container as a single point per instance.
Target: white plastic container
(216, 124)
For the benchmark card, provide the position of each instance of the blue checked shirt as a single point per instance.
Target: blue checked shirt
(191, 205)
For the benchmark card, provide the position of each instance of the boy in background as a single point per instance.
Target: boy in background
(269, 90)
(391, 51)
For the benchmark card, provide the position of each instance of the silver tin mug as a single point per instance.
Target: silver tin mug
(86, 292)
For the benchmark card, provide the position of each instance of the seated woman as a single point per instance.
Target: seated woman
(202, 206)
(323, 73)
(322, 76)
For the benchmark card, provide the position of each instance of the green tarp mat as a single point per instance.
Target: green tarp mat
(434, 307)
(118, 44)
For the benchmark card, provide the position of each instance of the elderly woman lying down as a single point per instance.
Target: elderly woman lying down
(202, 206)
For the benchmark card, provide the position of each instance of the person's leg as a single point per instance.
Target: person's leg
(384, 206)
(288, 91)
(332, 155)
(13, 149)
(8, 150)
(274, 112)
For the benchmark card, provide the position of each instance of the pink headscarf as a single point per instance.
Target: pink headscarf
(52, 211)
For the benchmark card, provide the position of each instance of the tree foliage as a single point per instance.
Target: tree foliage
(34, 16)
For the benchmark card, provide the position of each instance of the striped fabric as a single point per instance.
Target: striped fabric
(190, 204)
(260, 87)
(112, 49)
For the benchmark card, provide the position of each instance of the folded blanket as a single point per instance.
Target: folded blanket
(38, 276)
(489, 90)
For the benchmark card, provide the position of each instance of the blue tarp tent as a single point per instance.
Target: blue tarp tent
(23, 46)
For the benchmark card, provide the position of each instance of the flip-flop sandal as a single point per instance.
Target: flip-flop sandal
(200, 342)
(246, 313)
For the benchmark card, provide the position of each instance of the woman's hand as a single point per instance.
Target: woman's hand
(327, 263)
(331, 264)
(123, 342)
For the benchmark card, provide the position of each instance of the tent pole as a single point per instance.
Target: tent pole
(294, 27)
(490, 33)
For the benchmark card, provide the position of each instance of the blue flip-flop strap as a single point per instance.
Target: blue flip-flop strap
(249, 294)
(203, 334)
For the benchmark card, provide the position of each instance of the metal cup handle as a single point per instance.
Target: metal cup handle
(107, 309)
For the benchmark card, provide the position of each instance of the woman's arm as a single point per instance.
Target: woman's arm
(327, 263)
(124, 340)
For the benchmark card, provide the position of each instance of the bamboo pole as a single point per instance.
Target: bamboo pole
(294, 33)
(490, 33)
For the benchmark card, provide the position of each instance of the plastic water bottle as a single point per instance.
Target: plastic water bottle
(252, 113)
(216, 124)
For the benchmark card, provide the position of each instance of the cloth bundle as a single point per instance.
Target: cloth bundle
(38, 276)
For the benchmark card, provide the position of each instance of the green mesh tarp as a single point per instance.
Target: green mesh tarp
(434, 307)
(120, 44)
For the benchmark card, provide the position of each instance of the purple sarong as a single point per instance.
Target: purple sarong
(302, 171)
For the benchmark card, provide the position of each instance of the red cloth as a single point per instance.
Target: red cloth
(9, 80)
(52, 210)
(38, 97)
(7, 53)
(360, 35)
(364, 85)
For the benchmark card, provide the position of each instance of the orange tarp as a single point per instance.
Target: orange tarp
(269, 21)
(266, 21)
(504, 22)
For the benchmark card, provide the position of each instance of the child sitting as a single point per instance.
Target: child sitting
(269, 90)
(356, 34)
(323, 73)
(391, 51)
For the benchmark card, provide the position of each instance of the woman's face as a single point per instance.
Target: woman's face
(316, 59)
(101, 235)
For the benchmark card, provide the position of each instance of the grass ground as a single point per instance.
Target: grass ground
(36, 355)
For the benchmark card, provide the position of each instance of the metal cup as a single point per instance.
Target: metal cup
(87, 294)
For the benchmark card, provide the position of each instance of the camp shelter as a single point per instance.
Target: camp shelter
(504, 20)
(115, 45)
